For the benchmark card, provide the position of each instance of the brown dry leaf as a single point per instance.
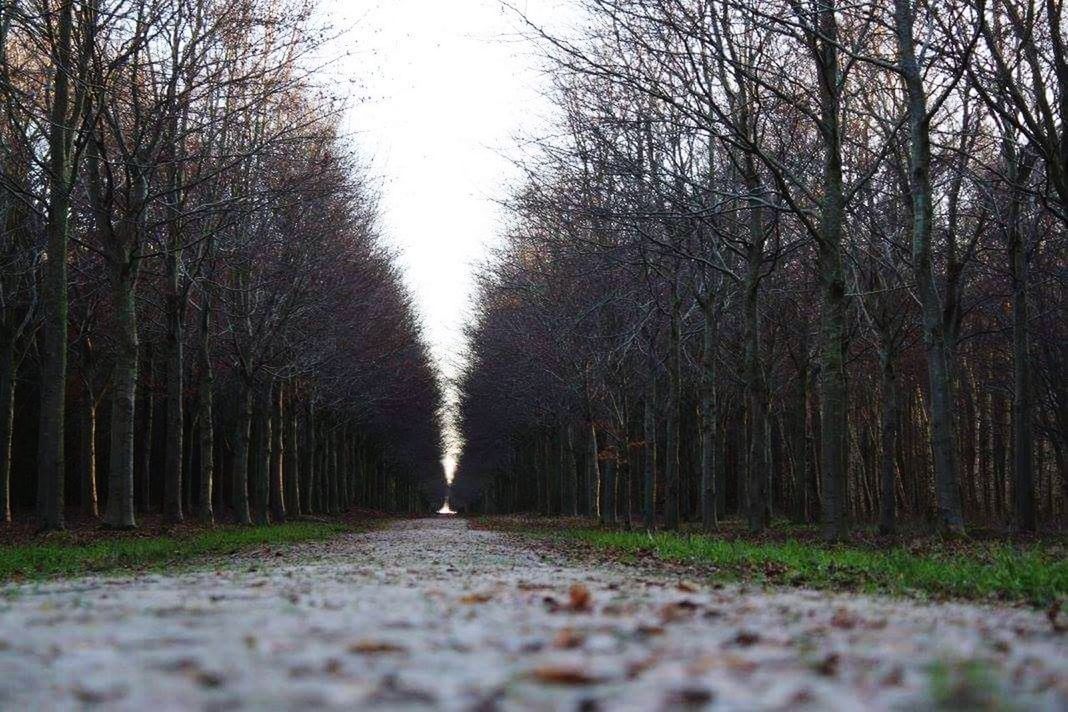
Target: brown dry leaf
(637, 667)
(562, 675)
(689, 697)
(208, 678)
(375, 647)
(687, 586)
(619, 609)
(677, 610)
(844, 619)
(551, 604)
(829, 665)
(530, 586)
(894, 678)
(568, 638)
(727, 661)
(476, 598)
(579, 598)
(745, 638)
(1058, 620)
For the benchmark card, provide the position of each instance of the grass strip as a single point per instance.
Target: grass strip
(57, 558)
(1037, 575)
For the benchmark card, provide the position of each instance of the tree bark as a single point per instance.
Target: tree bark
(278, 507)
(709, 418)
(308, 490)
(291, 467)
(593, 469)
(51, 468)
(649, 457)
(671, 434)
(148, 405)
(890, 418)
(206, 420)
(120, 505)
(88, 465)
(175, 425)
(7, 422)
(259, 457)
(943, 443)
(834, 425)
(1023, 401)
(241, 455)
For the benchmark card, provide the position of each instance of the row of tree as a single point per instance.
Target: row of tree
(187, 238)
(787, 257)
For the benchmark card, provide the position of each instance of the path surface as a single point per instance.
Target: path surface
(431, 614)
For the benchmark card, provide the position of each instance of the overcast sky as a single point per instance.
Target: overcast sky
(442, 90)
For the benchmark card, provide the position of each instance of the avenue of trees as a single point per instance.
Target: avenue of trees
(197, 315)
(785, 258)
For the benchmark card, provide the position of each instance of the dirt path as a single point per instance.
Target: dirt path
(429, 613)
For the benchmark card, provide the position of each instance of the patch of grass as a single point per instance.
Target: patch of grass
(1035, 574)
(61, 558)
(965, 685)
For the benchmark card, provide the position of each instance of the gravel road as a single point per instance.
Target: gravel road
(430, 614)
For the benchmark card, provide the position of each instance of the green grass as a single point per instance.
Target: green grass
(58, 558)
(1036, 574)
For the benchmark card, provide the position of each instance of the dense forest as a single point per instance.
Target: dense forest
(784, 259)
(197, 313)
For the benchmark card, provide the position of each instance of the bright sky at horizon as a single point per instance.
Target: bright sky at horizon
(442, 92)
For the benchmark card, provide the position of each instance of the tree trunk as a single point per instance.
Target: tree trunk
(709, 418)
(291, 468)
(241, 455)
(890, 419)
(939, 373)
(175, 425)
(7, 422)
(671, 434)
(206, 420)
(278, 507)
(334, 492)
(259, 462)
(148, 406)
(756, 401)
(308, 490)
(1023, 402)
(649, 456)
(52, 344)
(120, 506)
(608, 511)
(594, 470)
(88, 464)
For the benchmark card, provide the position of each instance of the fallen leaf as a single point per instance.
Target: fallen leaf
(567, 639)
(687, 586)
(637, 667)
(844, 619)
(829, 665)
(894, 678)
(579, 598)
(745, 638)
(677, 610)
(689, 696)
(650, 630)
(207, 678)
(562, 675)
(374, 647)
(1056, 619)
(476, 598)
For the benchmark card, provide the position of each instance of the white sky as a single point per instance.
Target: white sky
(442, 90)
